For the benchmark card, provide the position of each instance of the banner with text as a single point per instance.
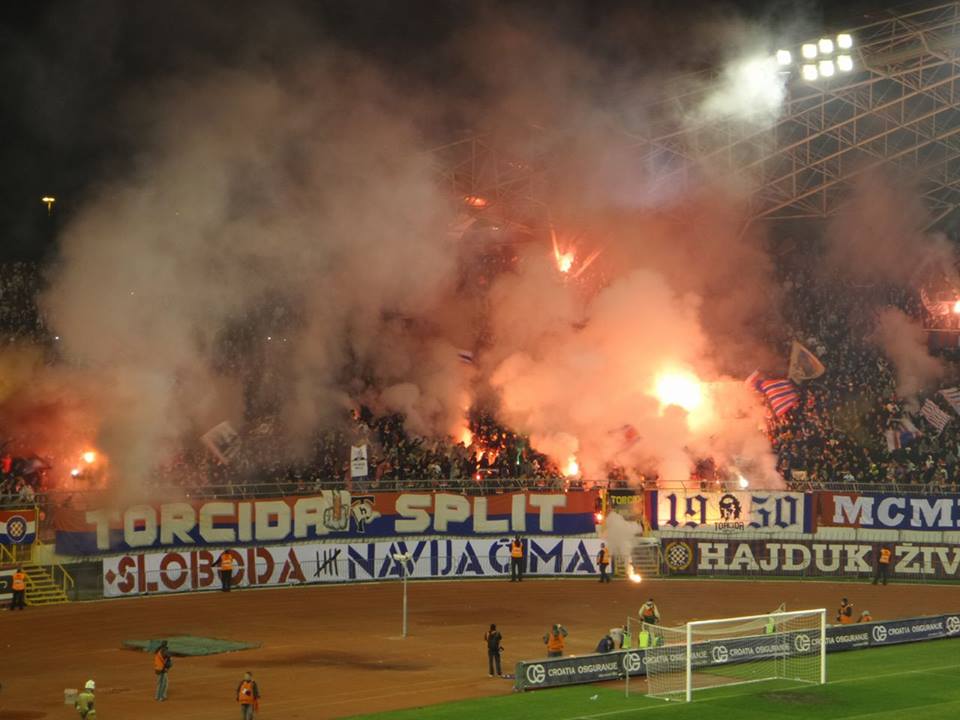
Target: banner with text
(804, 558)
(333, 562)
(712, 512)
(555, 672)
(327, 515)
(889, 512)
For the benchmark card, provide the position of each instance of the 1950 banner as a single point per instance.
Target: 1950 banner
(727, 556)
(191, 570)
(329, 514)
(712, 512)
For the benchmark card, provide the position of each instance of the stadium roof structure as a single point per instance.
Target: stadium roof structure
(897, 108)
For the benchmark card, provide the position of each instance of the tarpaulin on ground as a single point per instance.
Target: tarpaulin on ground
(710, 512)
(327, 515)
(341, 562)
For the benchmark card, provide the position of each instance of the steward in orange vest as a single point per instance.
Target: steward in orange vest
(161, 664)
(845, 614)
(19, 586)
(516, 559)
(603, 562)
(554, 640)
(883, 564)
(225, 563)
(248, 695)
(865, 616)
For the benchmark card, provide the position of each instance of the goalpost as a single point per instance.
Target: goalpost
(731, 651)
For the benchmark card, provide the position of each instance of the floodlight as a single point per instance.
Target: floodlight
(844, 41)
(784, 57)
(844, 63)
(826, 45)
(826, 68)
(808, 50)
(809, 72)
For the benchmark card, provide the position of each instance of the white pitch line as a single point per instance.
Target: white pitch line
(720, 697)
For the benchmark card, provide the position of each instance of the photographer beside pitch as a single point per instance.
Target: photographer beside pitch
(493, 638)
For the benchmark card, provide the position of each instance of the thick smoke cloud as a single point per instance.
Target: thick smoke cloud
(904, 341)
(278, 244)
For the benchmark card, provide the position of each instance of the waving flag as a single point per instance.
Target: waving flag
(902, 435)
(934, 415)
(18, 527)
(952, 396)
(804, 365)
(782, 395)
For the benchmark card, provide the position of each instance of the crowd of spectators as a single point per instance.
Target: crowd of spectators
(838, 434)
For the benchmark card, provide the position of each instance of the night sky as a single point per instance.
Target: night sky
(69, 69)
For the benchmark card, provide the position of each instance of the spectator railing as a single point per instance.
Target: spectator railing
(879, 488)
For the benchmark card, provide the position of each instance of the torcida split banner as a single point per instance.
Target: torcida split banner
(334, 562)
(326, 515)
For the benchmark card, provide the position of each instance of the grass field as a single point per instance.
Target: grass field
(919, 681)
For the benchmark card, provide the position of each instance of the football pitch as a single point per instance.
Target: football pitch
(920, 681)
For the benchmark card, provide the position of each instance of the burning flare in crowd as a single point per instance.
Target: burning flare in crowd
(572, 468)
(632, 574)
(682, 389)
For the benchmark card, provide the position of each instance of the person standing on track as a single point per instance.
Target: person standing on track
(603, 562)
(883, 564)
(649, 612)
(161, 665)
(225, 565)
(493, 638)
(516, 559)
(248, 695)
(84, 702)
(555, 640)
(19, 586)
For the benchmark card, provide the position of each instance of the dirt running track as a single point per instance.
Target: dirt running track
(331, 651)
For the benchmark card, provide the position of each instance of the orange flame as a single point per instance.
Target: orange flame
(572, 467)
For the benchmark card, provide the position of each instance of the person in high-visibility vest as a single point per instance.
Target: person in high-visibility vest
(649, 612)
(84, 702)
(248, 695)
(883, 564)
(845, 613)
(770, 627)
(554, 640)
(225, 565)
(643, 637)
(19, 586)
(865, 616)
(516, 559)
(161, 666)
(627, 640)
(603, 562)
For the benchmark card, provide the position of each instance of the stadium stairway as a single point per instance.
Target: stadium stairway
(47, 586)
(47, 583)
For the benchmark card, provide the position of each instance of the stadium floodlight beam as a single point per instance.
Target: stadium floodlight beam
(826, 68)
(844, 63)
(844, 41)
(809, 72)
(825, 45)
(808, 51)
(784, 57)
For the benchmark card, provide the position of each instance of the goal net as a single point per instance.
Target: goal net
(787, 646)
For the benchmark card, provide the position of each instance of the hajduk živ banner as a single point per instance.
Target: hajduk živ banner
(462, 558)
(330, 514)
(712, 512)
(805, 558)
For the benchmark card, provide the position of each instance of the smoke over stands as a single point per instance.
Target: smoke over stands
(276, 244)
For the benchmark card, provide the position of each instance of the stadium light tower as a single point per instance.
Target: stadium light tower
(823, 59)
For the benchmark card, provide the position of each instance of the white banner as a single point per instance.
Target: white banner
(358, 461)
(186, 571)
(709, 512)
